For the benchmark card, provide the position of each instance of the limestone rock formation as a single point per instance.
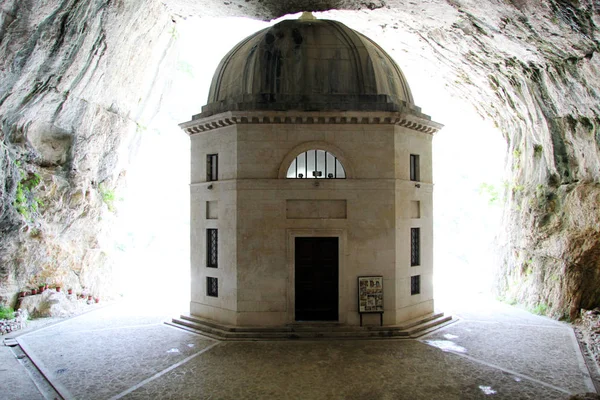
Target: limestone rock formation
(266, 9)
(76, 77)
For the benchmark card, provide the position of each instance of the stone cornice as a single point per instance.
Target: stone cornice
(414, 122)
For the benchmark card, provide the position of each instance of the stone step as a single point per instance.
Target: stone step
(429, 326)
(311, 327)
(410, 329)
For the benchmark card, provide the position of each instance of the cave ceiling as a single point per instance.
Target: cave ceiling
(266, 9)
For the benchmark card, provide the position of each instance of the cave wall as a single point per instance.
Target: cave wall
(76, 80)
(548, 107)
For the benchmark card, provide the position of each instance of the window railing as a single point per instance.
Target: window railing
(316, 164)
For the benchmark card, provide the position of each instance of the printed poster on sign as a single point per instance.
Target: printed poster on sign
(370, 294)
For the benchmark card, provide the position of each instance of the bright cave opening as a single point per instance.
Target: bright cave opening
(150, 237)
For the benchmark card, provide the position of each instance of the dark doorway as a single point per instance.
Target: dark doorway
(316, 278)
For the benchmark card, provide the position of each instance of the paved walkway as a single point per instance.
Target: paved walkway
(495, 351)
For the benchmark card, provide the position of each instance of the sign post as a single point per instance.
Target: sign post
(370, 296)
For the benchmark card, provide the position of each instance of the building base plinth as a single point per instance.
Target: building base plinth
(407, 330)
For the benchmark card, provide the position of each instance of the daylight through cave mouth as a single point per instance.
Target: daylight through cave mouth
(468, 167)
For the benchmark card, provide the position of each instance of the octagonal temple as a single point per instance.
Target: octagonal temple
(311, 184)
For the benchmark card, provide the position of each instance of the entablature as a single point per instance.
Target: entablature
(421, 123)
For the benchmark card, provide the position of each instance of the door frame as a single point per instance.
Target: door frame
(292, 234)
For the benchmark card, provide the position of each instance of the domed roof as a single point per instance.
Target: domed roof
(307, 65)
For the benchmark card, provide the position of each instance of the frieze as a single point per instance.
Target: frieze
(420, 124)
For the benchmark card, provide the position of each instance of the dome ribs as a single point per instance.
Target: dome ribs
(308, 65)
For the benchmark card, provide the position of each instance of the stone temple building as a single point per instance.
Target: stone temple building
(311, 167)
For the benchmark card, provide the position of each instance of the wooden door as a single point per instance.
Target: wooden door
(316, 278)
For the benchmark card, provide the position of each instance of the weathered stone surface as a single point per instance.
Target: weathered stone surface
(18, 322)
(553, 262)
(266, 9)
(53, 304)
(75, 80)
(308, 64)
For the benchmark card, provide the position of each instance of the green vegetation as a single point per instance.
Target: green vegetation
(26, 202)
(540, 309)
(6, 313)
(540, 190)
(173, 32)
(139, 128)
(462, 77)
(511, 301)
(528, 270)
(537, 150)
(517, 188)
(108, 196)
(540, 195)
(517, 158)
(543, 199)
(186, 68)
(491, 192)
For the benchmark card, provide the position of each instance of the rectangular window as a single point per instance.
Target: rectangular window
(415, 247)
(212, 250)
(212, 167)
(212, 287)
(415, 285)
(414, 168)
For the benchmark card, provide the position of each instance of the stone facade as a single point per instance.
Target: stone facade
(272, 244)
(258, 211)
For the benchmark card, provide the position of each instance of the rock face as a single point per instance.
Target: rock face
(548, 109)
(54, 304)
(266, 9)
(77, 78)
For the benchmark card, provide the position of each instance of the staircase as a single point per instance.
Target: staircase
(407, 330)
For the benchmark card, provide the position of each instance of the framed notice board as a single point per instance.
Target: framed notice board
(370, 296)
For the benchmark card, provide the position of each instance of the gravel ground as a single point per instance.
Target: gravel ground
(587, 329)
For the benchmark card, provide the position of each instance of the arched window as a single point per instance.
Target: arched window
(316, 164)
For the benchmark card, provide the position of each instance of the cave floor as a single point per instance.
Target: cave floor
(494, 351)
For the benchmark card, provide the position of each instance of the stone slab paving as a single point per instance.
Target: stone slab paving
(503, 353)
(545, 353)
(344, 370)
(100, 364)
(15, 382)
